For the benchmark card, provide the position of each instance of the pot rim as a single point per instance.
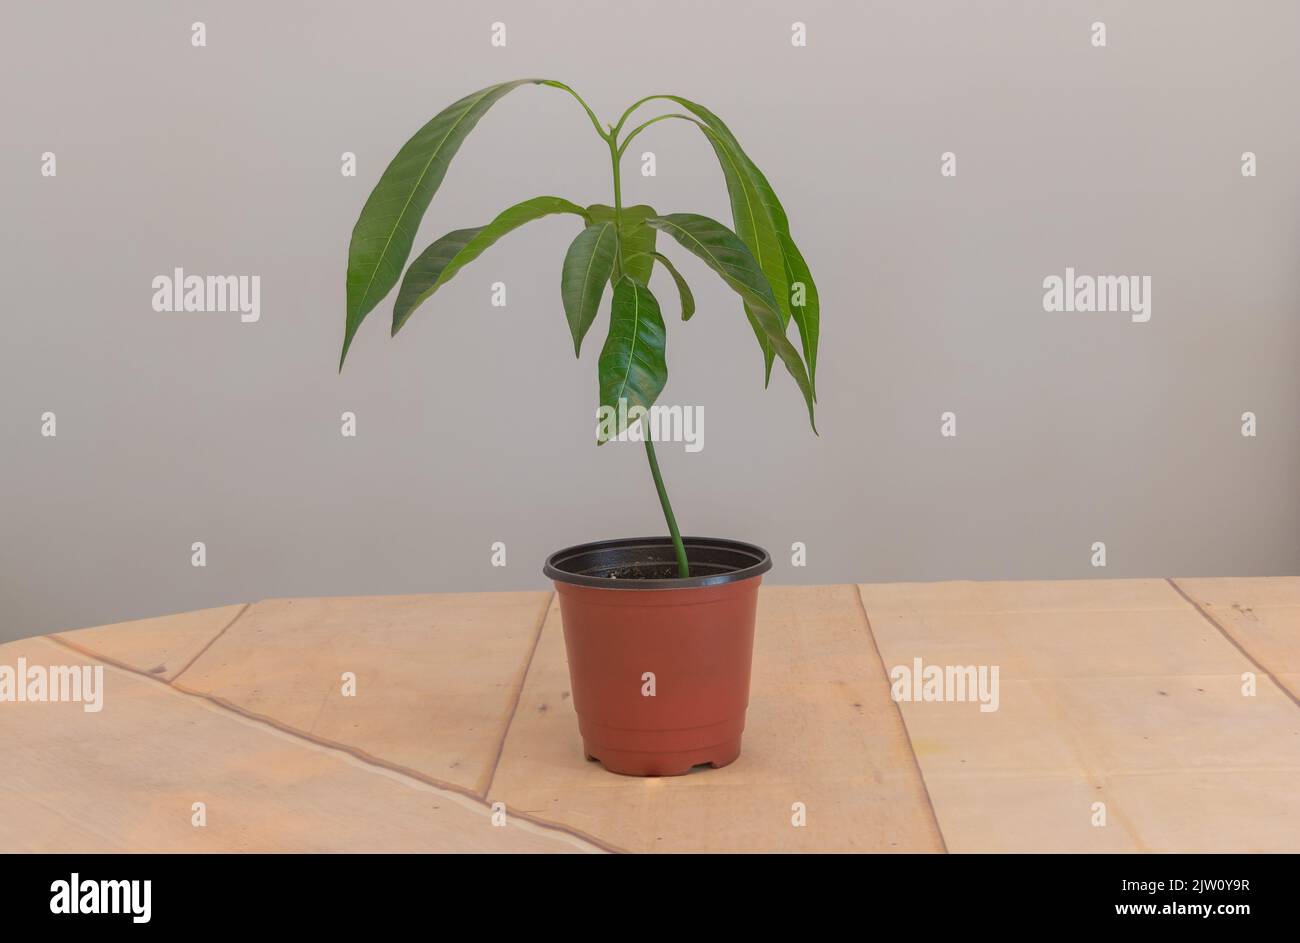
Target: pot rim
(763, 563)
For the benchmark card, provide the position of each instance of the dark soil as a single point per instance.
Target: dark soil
(643, 571)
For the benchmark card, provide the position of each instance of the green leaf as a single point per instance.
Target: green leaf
(756, 230)
(436, 265)
(683, 289)
(638, 239)
(632, 365)
(587, 266)
(722, 251)
(763, 342)
(382, 237)
(807, 317)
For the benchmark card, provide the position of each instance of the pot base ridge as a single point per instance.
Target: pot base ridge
(628, 763)
(661, 752)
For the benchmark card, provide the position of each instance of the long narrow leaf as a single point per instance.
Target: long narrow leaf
(385, 230)
(587, 267)
(722, 251)
(756, 230)
(436, 265)
(683, 289)
(807, 316)
(805, 304)
(632, 365)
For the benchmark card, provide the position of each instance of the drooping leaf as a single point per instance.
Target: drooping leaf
(587, 267)
(722, 250)
(382, 237)
(806, 310)
(683, 289)
(638, 239)
(436, 265)
(807, 316)
(764, 343)
(756, 230)
(632, 365)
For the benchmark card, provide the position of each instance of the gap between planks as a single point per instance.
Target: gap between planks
(353, 752)
(902, 722)
(212, 641)
(1233, 641)
(518, 693)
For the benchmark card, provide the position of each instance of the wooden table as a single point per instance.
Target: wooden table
(1120, 700)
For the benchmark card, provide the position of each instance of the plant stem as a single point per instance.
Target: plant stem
(615, 156)
(683, 569)
(595, 122)
(645, 124)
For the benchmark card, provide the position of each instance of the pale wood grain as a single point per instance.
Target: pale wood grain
(1116, 692)
(1261, 614)
(966, 596)
(436, 676)
(821, 730)
(161, 646)
(126, 778)
(1113, 691)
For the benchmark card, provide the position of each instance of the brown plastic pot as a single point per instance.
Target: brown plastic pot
(631, 627)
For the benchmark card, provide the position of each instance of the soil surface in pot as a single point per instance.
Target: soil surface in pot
(643, 571)
(649, 563)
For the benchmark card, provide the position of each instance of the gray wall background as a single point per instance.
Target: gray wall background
(475, 425)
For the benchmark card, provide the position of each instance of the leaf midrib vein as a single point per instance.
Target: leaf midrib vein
(744, 190)
(636, 319)
(423, 173)
(586, 278)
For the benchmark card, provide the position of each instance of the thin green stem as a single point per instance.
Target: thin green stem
(595, 122)
(683, 568)
(631, 108)
(615, 154)
(645, 124)
(614, 157)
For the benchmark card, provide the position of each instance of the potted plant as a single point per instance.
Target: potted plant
(658, 631)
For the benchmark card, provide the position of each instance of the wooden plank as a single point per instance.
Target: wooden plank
(162, 646)
(1260, 614)
(966, 596)
(1113, 692)
(821, 731)
(437, 676)
(126, 779)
